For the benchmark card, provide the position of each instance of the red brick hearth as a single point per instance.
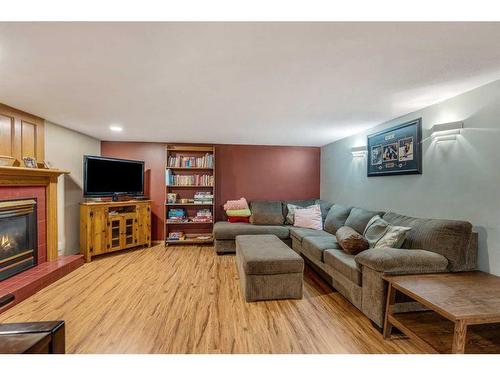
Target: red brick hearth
(31, 281)
(27, 283)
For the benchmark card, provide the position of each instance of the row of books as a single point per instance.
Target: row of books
(206, 161)
(189, 180)
(179, 215)
(203, 197)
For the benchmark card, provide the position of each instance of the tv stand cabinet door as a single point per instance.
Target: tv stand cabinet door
(144, 224)
(98, 222)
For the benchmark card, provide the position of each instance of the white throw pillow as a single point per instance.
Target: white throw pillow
(380, 233)
(291, 212)
(309, 217)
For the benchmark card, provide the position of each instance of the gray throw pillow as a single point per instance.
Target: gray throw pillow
(359, 217)
(267, 213)
(336, 218)
(379, 233)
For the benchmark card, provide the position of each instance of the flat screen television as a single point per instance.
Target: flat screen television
(104, 177)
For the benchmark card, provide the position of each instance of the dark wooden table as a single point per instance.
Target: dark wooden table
(33, 338)
(461, 304)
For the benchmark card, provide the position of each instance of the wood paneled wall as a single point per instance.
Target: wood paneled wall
(21, 134)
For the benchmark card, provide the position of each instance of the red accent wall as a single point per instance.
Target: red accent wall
(266, 173)
(251, 171)
(153, 155)
(27, 192)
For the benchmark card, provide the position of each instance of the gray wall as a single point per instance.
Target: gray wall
(460, 180)
(64, 149)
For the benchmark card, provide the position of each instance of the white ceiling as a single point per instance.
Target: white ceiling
(242, 83)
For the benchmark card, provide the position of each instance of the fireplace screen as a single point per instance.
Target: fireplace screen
(17, 236)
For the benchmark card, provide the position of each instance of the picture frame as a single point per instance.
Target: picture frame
(396, 151)
(30, 162)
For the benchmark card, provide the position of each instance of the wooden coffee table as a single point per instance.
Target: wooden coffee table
(465, 307)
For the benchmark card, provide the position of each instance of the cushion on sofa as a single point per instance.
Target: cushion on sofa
(336, 217)
(300, 233)
(298, 202)
(228, 231)
(290, 212)
(309, 217)
(351, 241)
(449, 238)
(380, 233)
(325, 207)
(343, 263)
(267, 213)
(402, 261)
(313, 247)
(359, 217)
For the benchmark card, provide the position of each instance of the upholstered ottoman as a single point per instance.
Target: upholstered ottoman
(268, 268)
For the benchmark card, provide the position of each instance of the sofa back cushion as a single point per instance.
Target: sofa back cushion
(359, 217)
(450, 238)
(325, 207)
(300, 202)
(267, 213)
(336, 218)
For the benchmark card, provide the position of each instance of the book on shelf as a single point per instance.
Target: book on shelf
(203, 197)
(178, 161)
(188, 180)
(176, 236)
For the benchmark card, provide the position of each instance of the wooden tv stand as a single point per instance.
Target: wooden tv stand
(106, 227)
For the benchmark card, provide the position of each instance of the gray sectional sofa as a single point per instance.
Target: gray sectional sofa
(431, 246)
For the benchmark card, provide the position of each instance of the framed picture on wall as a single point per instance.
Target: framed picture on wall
(396, 151)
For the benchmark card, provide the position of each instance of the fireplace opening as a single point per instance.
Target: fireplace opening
(18, 245)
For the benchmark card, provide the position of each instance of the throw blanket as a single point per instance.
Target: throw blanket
(239, 204)
(238, 219)
(240, 213)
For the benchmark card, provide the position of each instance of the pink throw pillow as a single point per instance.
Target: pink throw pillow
(239, 204)
(308, 217)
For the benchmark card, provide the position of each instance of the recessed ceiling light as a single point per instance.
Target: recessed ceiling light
(115, 128)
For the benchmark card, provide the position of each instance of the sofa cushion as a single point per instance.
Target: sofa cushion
(351, 241)
(290, 212)
(336, 217)
(449, 238)
(359, 217)
(300, 233)
(309, 217)
(343, 263)
(228, 231)
(325, 207)
(313, 247)
(402, 261)
(380, 233)
(299, 202)
(267, 213)
(267, 255)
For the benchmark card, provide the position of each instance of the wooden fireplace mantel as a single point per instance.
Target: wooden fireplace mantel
(19, 176)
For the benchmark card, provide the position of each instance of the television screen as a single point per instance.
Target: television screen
(108, 176)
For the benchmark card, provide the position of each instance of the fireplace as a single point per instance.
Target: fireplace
(18, 243)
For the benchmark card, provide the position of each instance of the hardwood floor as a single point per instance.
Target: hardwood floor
(187, 300)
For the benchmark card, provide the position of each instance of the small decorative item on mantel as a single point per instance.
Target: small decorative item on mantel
(30, 162)
(7, 161)
(43, 165)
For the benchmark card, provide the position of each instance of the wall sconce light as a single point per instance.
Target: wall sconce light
(359, 151)
(447, 131)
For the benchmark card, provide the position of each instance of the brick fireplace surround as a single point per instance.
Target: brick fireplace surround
(49, 268)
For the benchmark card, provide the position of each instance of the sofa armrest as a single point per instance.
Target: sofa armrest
(402, 261)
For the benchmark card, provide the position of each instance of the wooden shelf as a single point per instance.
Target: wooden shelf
(188, 186)
(188, 241)
(191, 168)
(191, 229)
(188, 222)
(188, 204)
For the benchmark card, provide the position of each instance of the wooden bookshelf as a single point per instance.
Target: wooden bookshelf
(192, 230)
